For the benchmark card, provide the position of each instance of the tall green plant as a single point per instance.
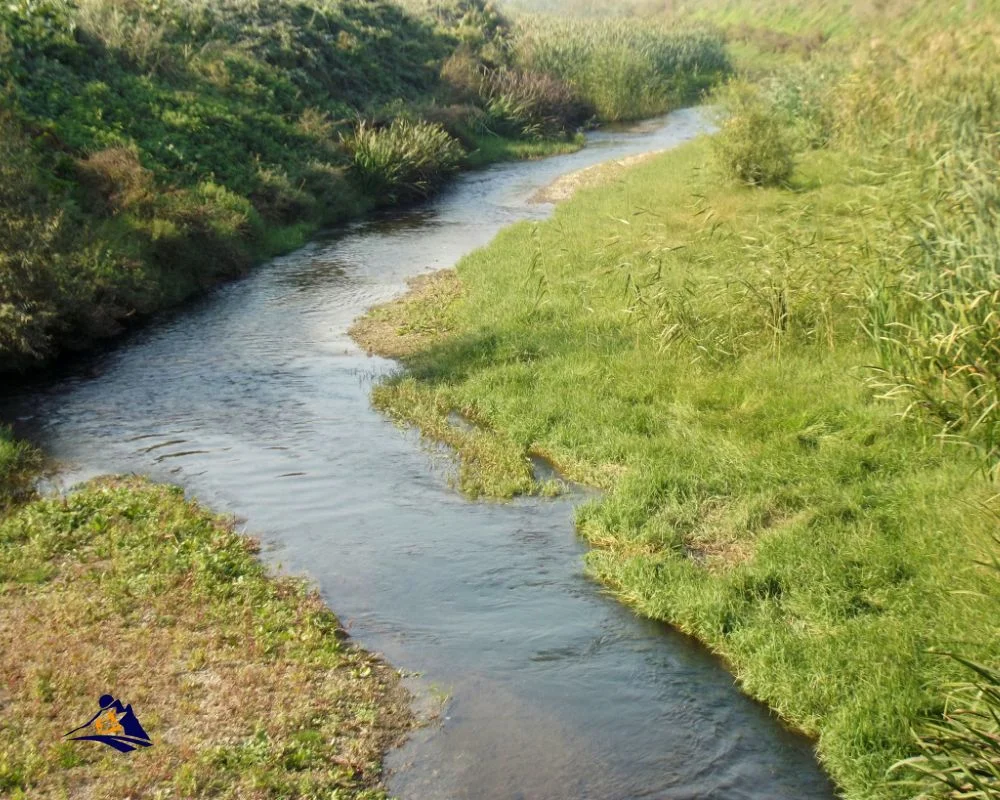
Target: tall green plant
(404, 161)
(754, 145)
(960, 751)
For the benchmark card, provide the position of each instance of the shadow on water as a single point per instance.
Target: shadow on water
(256, 401)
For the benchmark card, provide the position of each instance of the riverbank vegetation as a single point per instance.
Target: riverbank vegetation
(244, 682)
(775, 353)
(149, 151)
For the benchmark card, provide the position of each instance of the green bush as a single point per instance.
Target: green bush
(753, 145)
(404, 161)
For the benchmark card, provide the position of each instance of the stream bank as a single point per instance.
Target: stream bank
(257, 401)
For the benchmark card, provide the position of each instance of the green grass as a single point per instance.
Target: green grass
(491, 149)
(150, 151)
(19, 464)
(679, 342)
(244, 682)
(625, 69)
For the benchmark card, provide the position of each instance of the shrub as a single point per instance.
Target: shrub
(277, 199)
(753, 145)
(404, 161)
(114, 180)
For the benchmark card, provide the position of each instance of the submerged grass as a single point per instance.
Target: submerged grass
(245, 683)
(689, 346)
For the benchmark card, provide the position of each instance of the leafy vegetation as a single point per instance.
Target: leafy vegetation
(244, 682)
(753, 146)
(769, 382)
(152, 150)
(19, 463)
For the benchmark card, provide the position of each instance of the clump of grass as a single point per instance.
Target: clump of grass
(753, 145)
(961, 751)
(245, 683)
(527, 105)
(404, 161)
(19, 465)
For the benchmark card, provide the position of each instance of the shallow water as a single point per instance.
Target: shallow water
(256, 401)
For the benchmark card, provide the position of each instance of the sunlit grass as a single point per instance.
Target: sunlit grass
(685, 343)
(625, 69)
(244, 683)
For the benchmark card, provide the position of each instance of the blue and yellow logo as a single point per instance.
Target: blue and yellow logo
(114, 725)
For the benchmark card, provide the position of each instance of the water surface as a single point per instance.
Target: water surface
(256, 401)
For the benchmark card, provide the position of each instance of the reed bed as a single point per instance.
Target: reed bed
(626, 69)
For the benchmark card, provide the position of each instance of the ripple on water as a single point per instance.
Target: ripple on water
(256, 401)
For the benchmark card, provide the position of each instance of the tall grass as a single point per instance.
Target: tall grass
(960, 750)
(626, 69)
(932, 313)
(19, 464)
(713, 355)
(404, 161)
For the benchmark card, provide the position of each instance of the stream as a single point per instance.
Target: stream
(257, 402)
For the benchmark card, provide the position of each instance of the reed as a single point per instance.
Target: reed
(626, 69)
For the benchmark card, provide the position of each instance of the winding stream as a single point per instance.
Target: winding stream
(256, 401)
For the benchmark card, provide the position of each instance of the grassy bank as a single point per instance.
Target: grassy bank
(783, 391)
(149, 151)
(245, 683)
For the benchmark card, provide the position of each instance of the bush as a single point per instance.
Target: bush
(753, 145)
(114, 180)
(404, 161)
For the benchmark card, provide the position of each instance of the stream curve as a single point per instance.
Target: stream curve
(256, 401)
